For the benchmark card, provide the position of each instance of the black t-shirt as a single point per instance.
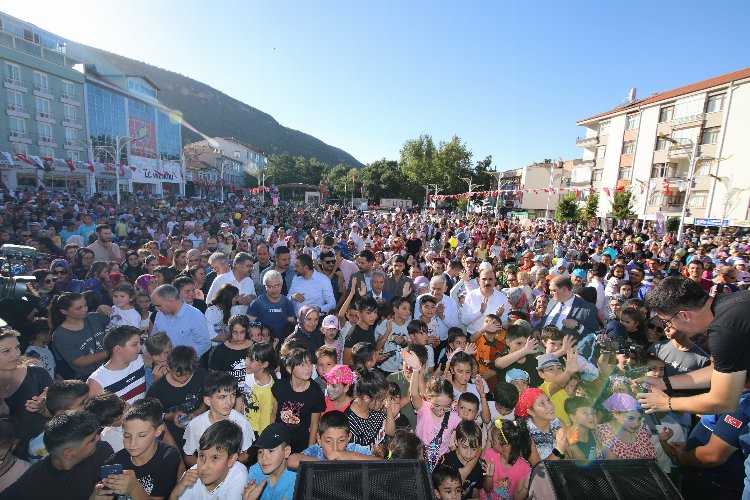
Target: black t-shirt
(185, 399)
(528, 365)
(368, 431)
(359, 334)
(472, 481)
(294, 409)
(729, 332)
(30, 424)
(413, 246)
(44, 481)
(158, 476)
(224, 359)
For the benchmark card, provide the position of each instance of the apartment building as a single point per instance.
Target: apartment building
(649, 145)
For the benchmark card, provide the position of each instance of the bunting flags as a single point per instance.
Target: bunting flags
(665, 186)
(71, 165)
(24, 159)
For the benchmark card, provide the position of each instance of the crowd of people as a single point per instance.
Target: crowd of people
(176, 348)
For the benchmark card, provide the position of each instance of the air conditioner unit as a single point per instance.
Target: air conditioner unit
(44, 114)
(15, 133)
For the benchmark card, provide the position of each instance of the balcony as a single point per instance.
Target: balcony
(45, 117)
(71, 121)
(17, 111)
(587, 142)
(18, 136)
(678, 153)
(71, 99)
(45, 140)
(73, 145)
(671, 208)
(15, 84)
(688, 119)
(42, 91)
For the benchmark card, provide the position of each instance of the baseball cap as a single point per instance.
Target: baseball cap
(331, 321)
(538, 258)
(339, 374)
(272, 436)
(516, 374)
(224, 224)
(546, 361)
(580, 273)
(485, 265)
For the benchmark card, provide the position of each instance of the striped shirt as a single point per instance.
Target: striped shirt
(129, 383)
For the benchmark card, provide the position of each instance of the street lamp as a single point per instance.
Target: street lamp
(729, 196)
(691, 150)
(552, 181)
(117, 148)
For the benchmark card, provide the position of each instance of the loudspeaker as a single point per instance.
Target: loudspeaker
(363, 480)
(600, 480)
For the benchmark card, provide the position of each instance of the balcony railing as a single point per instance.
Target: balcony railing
(20, 134)
(688, 119)
(45, 114)
(586, 142)
(70, 97)
(69, 121)
(17, 108)
(672, 207)
(42, 88)
(47, 139)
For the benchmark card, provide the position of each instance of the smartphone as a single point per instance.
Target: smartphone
(720, 288)
(108, 470)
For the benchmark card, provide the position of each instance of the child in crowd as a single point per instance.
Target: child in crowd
(260, 374)
(507, 471)
(123, 312)
(364, 356)
(393, 335)
(330, 330)
(326, 358)
(490, 340)
(124, 373)
(521, 354)
(180, 391)
(339, 380)
(158, 346)
(435, 420)
(109, 409)
(39, 340)
(297, 402)
(506, 399)
(535, 411)
(11, 468)
(142, 304)
(270, 479)
(156, 466)
(624, 436)
(218, 473)
(364, 330)
(230, 356)
(518, 378)
(404, 445)
(418, 334)
(461, 367)
(559, 383)
(369, 417)
(219, 393)
(465, 457)
(446, 483)
(583, 423)
(427, 307)
(457, 342)
(333, 443)
(403, 379)
(394, 395)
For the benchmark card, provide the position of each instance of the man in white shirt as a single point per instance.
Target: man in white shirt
(483, 301)
(239, 276)
(599, 284)
(310, 287)
(447, 309)
(356, 238)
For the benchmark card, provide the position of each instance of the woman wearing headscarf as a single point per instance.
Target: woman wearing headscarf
(132, 267)
(64, 281)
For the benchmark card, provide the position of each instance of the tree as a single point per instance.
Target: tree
(591, 208)
(673, 224)
(339, 181)
(622, 205)
(482, 173)
(418, 160)
(383, 179)
(423, 163)
(567, 209)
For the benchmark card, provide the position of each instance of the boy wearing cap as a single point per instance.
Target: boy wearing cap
(519, 378)
(270, 479)
(558, 380)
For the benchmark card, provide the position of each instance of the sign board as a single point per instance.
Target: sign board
(395, 202)
(312, 197)
(702, 221)
(661, 224)
(520, 215)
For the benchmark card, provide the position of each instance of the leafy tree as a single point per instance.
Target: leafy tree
(339, 181)
(622, 205)
(482, 173)
(383, 179)
(454, 162)
(567, 209)
(673, 224)
(591, 208)
(283, 169)
(424, 163)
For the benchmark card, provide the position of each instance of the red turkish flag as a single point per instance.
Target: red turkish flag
(71, 166)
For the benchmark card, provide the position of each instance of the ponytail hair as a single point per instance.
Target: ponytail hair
(439, 386)
(60, 302)
(516, 434)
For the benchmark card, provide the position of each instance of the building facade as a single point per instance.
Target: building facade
(43, 122)
(650, 146)
(222, 159)
(533, 189)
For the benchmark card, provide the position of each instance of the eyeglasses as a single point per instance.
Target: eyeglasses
(329, 262)
(668, 322)
(659, 329)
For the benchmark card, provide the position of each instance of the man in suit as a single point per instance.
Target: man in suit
(568, 310)
(377, 285)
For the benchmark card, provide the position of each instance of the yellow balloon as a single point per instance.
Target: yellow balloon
(453, 242)
(237, 215)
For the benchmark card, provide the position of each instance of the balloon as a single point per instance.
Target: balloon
(453, 242)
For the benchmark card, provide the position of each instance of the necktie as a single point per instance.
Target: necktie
(552, 321)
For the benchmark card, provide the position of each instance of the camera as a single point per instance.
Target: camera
(12, 264)
(619, 346)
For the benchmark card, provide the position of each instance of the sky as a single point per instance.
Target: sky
(509, 78)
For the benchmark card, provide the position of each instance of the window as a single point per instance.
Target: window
(68, 89)
(715, 103)
(604, 128)
(71, 136)
(73, 155)
(710, 135)
(70, 113)
(140, 88)
(237, 154)
(43, 107)
(628, 147)
(632, 121)
(597, 175)
(46, 152)
(698, 199)
(15, 100)
(17, 125)
(663, 170)
(662, 144)
(601, 151)
(666, 113)
(41, 82)
(45, 131)
(686, 136)
(19, 148)
(13, 73)
(624, 173)
(689, 108)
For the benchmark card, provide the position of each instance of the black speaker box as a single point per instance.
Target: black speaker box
(363, 480)
(600, 480)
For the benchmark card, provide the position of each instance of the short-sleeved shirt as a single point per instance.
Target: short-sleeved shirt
(359, 334)
(158, 476)
(185, 399)
(504, 481)
(228, 360)
(258, 403)
(129, 383)
(73, 344)
(528, 365)
(729, 332)
(678, 361)
(30, 424)
(428, 428)
(315, 451)
(472, 481)
(366, 432)
(403, 384)
(294, 409)
(272, 314)
(199, 424)
(232, 486)
(284, 487)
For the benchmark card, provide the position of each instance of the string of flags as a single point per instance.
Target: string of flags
(578, 191)
(48, 163)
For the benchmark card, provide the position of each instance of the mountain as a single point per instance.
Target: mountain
(215, 113)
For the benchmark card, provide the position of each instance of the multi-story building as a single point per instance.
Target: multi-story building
(42, 111)
(534, 189)
(223, 158)
(649, 145)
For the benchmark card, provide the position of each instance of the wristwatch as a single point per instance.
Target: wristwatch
(558, 453)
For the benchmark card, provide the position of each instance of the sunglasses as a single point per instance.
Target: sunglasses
(659, 329)
(58, 273)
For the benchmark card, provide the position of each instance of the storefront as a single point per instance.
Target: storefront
(149, 181)
(73, 182)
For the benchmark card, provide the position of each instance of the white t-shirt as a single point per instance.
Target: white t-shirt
(232, 486)
(128, 317)
(199, 424)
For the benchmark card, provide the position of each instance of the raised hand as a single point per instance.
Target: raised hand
(483, 307)
(252, 490)
(470, 349)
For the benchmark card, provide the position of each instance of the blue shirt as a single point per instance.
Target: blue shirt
(187, 327)
(284, 487)
(315, 451)
(272, 314)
